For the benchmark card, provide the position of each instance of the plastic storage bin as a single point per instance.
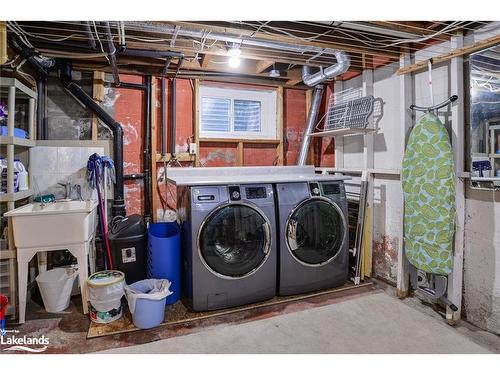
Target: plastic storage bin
(146, 302)
(55, 287)
(164, 256)
(128, 241)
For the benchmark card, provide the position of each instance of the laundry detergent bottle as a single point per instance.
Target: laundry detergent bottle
(22, 175)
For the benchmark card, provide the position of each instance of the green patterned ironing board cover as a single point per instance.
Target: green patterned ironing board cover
(428, 179)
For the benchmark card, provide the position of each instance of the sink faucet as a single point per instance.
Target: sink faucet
(69, 188)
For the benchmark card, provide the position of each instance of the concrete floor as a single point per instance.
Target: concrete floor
(372, 323)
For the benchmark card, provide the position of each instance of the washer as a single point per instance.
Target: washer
(229, 244)
(313, 236)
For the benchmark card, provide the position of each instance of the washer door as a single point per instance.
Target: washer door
(315, 231)
(234, 240)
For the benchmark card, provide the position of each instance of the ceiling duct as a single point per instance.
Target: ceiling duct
(343, 63)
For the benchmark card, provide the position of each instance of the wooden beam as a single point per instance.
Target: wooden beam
(239, 154)
(196, 122)
(279, 126)
(457, 52)
(295, 77)
(205, 61)
(263, 65)
(240, 140)
(3, 42)
(181, 156)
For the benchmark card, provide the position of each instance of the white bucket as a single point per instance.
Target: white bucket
(106, 288)
(55, 287)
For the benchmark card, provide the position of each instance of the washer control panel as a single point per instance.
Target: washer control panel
(257, 192)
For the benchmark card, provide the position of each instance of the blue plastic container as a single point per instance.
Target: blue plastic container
(148, 313)
(164, 256)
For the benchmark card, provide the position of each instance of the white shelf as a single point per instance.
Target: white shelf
(342, 131)
(495, 156)
(13, 197)
(17, 141)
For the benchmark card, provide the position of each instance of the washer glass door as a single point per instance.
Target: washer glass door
(234, 240)
(315, 231)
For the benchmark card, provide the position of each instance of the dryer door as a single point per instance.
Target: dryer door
(316, 231)
(234, 240)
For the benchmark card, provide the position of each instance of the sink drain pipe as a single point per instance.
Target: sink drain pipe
(118, 207)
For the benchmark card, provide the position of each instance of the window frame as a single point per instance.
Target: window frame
(268, 101)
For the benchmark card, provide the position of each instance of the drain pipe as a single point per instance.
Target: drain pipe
(147, 150)
(118, 208)
(311, 120)
(173, 111)
(343, 63)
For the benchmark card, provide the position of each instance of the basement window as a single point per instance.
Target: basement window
(237, 113)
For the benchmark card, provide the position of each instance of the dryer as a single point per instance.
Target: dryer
(229, 244)
(313, 236)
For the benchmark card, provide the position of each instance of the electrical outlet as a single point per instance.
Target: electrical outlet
(192, 148)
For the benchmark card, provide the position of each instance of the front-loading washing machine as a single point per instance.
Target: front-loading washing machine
(229, 244)
(313, 236)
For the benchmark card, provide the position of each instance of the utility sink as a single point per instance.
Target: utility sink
(53, 224)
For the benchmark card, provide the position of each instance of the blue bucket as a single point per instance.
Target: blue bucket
(164, 256)
(148, 313)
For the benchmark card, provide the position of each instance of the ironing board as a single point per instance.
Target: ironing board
(428, 179)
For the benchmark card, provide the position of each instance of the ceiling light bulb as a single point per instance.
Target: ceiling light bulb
(235, 52)
(274, 73)
(234, 62)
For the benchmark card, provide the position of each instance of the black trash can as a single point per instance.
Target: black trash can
(128, 240)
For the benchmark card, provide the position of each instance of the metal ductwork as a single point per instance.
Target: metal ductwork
(311, 120)
(343, 63)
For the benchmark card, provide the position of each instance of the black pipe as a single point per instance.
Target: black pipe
(163, 117)
(132, 86)
(40, 110)
(150, 53)
(28, 54)
(173, 100)
(147, 150)
(111, 50)
(118, 208)
(90, 34)
(134, 176)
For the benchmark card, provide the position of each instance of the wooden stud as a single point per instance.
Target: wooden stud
(406, 119)
(98, 96)
(154, 145)
(239, 154)
(458, 143)
(368, 163)
(456, 52)
(3, 42)
(196, 122)
(310, 152)
(205, 61)
(238, 140)
(279, 125)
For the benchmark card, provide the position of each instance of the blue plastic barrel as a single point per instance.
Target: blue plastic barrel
(164, 256)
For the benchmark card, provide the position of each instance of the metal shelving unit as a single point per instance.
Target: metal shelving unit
(16, 93)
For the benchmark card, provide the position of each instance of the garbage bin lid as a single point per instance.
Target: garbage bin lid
(130, 226)
(105, 278)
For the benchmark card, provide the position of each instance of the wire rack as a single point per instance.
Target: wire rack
(349, 109)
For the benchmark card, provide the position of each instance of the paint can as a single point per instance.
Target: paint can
(106, 289)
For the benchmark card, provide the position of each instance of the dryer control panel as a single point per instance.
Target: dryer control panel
(234, 193)
(257, 192)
